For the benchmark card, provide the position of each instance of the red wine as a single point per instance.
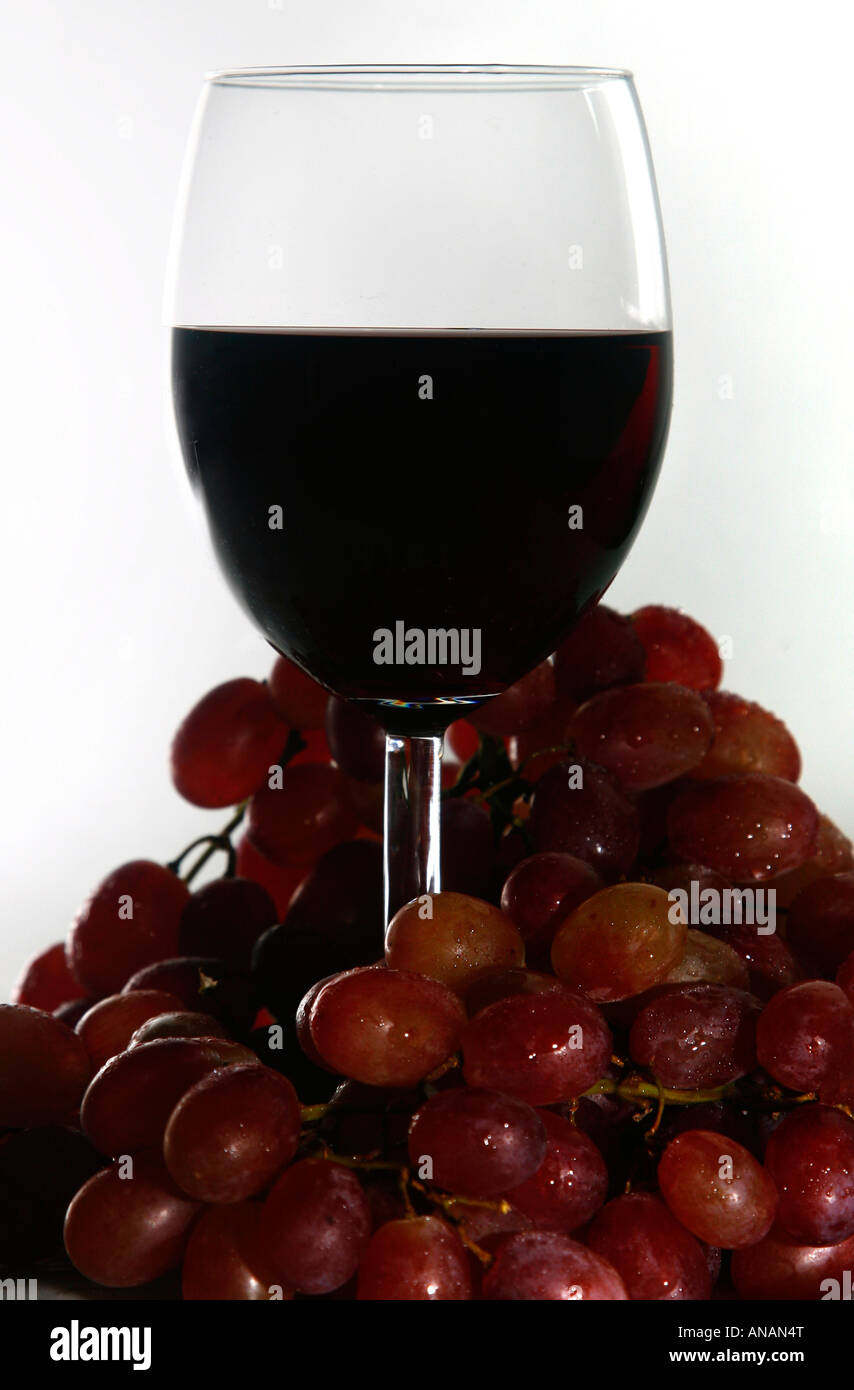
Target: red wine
(418, 519)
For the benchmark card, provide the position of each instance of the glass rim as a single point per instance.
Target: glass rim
(385, 75)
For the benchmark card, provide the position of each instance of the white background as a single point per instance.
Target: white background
(115, 619)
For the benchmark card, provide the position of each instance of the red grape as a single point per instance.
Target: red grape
(821, 921)
(545, 1265)
(717, 1189)
(805, 1035)
(620, 942)
(543, 746)
(180, 1024)
(488, 1225)
(475, 1142)
(73, 1010)
(602, 650)
(290, 958)
(203, 984)
(770, 964)
(612, 1125)
(452, 938)
(709, 961)
(594, 821)
(385, 1027)
(416, 1258)
(367, 802)
(225, 1258)
(280, 881)
(646, 734)
(502, 984)
(356, 740)
(316, 748)
(682, 876)
(303, 1022)
(107, 1028)
(384, 1199)
(729, 1117)
(833, 854)
(780, 1269)
(747, 739)
(749, 828)
(40, 1171)
(305, 816)
(467, 847)
(652, 807)
(654, 1255)
(543, 1048)
(130, 921)
(519, 706)
(46, 981)
(128, 1103)
(810, 1156)
(316, 1224)
(696, 1035)
(512, 848)
(543, 890)
(299, 700)
(845, 976)
(570, 1184)
(677, 648)
(45, 1068)
(126, 1230)
(463, 739)
(225, 919)
(231, 1133)
(341, 897)
(226, 745)
(639, 782)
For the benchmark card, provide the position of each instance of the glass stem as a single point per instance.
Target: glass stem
(411, 818)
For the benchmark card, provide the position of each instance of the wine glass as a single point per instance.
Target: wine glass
(422, 374)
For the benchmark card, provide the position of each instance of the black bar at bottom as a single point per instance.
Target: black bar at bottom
(248, 1345)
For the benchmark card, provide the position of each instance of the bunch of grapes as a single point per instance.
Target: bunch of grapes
(597, 1065)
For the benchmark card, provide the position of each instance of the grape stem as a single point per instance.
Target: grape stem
(488, 773)
(497, 787)
(363, 1162)
(311, 1113)
(403, 1184)
(212, 843)
(636, 1088)
(633, 1088)
(369, 1162)
(450, 1200)
(449, 1203)
(442, 1069)
(649, 1094)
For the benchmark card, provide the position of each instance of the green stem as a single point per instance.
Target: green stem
(635, 1088)
(310, 1113)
